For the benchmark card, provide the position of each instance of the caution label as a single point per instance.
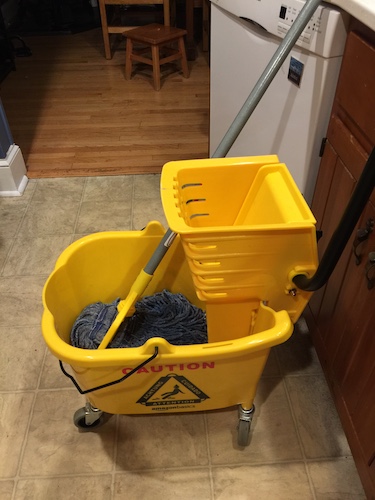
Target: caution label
(172, 390)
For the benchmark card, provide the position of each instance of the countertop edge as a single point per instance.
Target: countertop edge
(363, 10)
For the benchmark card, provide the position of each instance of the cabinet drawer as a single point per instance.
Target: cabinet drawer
(355, 91)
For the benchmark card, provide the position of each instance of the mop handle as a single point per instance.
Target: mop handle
(249, 106)
(138, 287)
(160, 251)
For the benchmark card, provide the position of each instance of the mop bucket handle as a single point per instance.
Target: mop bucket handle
(109, 384)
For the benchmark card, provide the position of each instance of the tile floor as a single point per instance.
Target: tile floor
(297, 451)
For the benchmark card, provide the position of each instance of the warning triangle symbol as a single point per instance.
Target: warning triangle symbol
(172, 390)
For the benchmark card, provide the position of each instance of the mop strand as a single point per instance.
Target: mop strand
(164, 314)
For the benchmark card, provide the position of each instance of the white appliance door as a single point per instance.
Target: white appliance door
(290, 119)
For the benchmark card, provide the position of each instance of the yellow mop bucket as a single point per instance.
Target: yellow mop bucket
(157, 376)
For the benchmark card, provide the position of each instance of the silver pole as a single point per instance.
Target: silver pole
(266, 78)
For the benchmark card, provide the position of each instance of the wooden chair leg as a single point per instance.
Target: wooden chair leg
(184, 64)
(167, 13)
(156, 66)
(106, 41)
(128, 59)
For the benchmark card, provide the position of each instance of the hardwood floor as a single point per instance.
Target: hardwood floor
(72, 112)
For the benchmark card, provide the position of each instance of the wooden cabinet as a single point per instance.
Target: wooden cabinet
(341, 316)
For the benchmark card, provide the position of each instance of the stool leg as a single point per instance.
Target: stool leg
(128, 59)
(103, 18)
(156, 66)
(184, 64)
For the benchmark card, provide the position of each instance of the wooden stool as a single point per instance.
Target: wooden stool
(113, 26)
(155, 37)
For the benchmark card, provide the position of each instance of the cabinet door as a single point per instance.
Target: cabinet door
(335, 185)
(353, 350)
(342, 187)
(355, 90)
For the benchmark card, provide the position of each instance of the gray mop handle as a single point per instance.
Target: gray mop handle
(266, 78)
(159, 252)
(245, 112)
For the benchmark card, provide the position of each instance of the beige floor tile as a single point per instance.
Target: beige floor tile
(317, 419)
(77, 236)
(160, 441)
(272, 366)
(147, 187)
(10, 219)
(273, 434)
(336, 480)
(32, 256)
(53, 216)
(184, 484)
(65, 488)
(95, 216)
(112, 188)
(6, 490)
(14, 417)
(54, 445)
(5, 244)
(67, 190)
(262, 482)
(147, 204)
(20, 300)
(18, 202)
(145, 211)
(22, 352)
(52, 376)
(298, 356)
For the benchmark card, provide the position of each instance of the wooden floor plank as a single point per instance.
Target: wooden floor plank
(72, 112)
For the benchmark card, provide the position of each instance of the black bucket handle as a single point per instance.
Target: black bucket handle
(344, 230)
(109, 384)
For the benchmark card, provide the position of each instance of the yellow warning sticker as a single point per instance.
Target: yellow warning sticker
(172, 390)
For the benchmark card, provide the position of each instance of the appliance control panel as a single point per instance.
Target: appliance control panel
(325, 33)
(289, 13)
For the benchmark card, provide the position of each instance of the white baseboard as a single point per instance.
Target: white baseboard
(13, 178)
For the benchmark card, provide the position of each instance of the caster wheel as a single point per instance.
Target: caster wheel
(244, 424)
(79, 420)
(243, 436)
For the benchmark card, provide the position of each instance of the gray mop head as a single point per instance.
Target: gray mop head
(167, 315)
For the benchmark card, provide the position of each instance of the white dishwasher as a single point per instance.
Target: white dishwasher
(292, 117)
